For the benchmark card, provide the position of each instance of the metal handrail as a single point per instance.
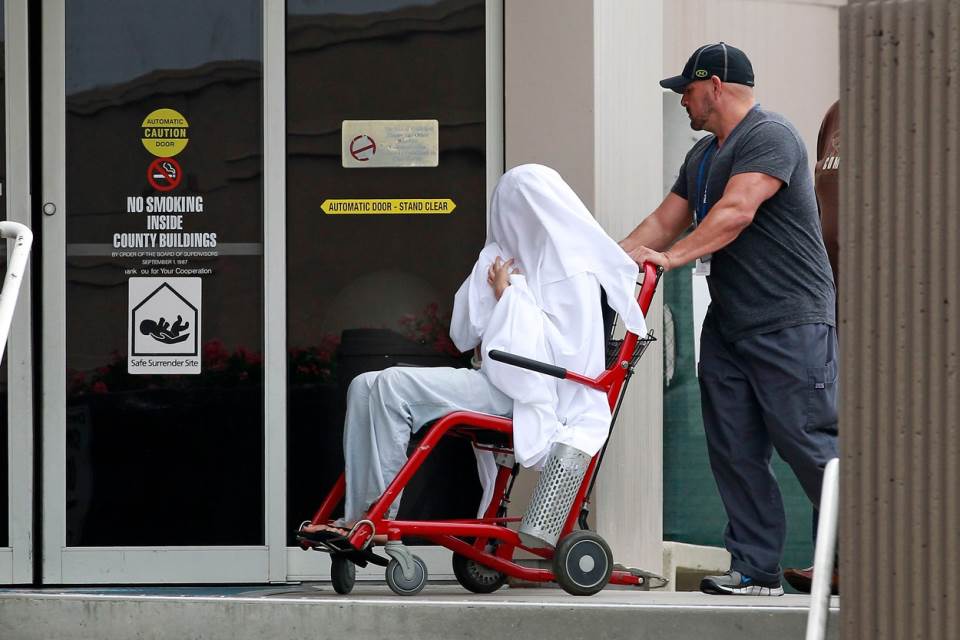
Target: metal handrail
(16, 265)
(825, 552)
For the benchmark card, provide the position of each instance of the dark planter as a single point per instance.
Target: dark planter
(162, 467)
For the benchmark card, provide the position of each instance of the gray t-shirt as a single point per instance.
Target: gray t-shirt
(776, 274)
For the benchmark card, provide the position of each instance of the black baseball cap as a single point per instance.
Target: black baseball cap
(722, 60)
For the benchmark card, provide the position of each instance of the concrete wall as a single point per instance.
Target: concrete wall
(437, 614)
(899, 319)
(581, 95)
(792, 44)
(548, 87)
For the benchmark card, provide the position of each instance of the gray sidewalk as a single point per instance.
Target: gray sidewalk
(441, 611)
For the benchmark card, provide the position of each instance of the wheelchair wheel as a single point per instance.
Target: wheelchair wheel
(343, 574)
(582, 563)
(401, 585)
(475, 577)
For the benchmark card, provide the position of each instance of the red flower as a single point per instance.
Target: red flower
(248, 356)
(99, 387)
(215, 355)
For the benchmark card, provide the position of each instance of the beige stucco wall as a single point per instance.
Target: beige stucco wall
(581, 96)
(548, 85)
(793, 45)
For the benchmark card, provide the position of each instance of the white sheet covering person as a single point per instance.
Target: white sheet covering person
(550, 312)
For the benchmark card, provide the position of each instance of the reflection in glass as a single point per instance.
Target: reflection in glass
(164, 459)
(368, 292)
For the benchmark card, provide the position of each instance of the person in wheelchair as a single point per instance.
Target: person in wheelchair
(534, 291)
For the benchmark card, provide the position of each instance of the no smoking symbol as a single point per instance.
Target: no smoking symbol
(164, 174)
(362, 148)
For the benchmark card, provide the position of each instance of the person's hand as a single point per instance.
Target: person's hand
(499, 275)
(645, 254)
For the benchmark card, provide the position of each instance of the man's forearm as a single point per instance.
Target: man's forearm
(718, 229)
(649, 233)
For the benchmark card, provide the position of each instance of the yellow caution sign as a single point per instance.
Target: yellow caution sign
(402, 206)
(165, 133)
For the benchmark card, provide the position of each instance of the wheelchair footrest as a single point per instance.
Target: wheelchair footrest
(361, 558)
(649, 579)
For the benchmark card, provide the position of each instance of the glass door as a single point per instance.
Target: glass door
(154, 330)
(393, 143)
(16, 410)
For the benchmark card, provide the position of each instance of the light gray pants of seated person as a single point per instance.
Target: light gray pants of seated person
(384, 408)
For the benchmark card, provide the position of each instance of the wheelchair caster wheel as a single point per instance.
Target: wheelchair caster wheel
(475, 577)
(582, 563)
(343, 574)
(401, 585)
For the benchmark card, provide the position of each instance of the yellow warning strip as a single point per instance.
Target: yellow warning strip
(394, 206)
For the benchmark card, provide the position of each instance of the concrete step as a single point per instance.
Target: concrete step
(441, 612)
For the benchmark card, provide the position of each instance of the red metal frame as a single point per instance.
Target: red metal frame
(447, 533)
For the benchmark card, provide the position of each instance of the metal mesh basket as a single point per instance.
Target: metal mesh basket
(556, 490)
(613, 348)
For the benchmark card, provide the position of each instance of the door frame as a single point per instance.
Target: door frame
(16, 560)
(302, 566)
(273, 561)
(102, 565)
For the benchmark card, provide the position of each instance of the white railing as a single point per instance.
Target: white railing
(22, 239)
(825, 553)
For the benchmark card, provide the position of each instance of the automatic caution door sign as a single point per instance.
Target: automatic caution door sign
(164, 325)
(164, 132)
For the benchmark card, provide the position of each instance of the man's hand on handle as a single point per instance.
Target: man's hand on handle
(641, 254)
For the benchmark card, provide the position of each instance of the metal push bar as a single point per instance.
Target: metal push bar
(22, 239)
(824, 553)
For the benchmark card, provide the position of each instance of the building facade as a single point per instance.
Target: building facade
(208, 272)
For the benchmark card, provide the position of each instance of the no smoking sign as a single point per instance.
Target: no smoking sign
(362, 148)
(377, 144)
(164, 174)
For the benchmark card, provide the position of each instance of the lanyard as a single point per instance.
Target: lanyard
(701, 209)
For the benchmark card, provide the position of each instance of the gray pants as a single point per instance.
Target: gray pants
(385, 407)
(774, 390)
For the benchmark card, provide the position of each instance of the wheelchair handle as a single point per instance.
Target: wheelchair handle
(651, 277)
(528, 363)
(543, 367)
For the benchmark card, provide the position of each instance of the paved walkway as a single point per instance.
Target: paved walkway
(440, 611)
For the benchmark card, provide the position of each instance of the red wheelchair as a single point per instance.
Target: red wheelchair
(483, 548)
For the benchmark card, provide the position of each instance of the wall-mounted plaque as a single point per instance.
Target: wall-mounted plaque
(390, 143)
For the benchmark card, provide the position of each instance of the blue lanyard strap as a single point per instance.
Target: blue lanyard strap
(700, 211)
